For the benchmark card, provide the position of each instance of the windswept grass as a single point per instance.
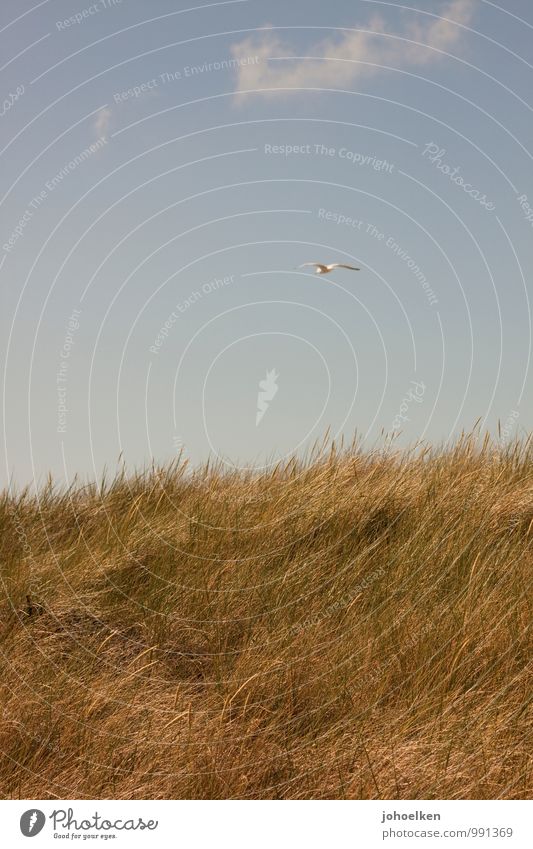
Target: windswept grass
(354, 626)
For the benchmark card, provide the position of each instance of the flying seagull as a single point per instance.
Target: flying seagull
(325, 269)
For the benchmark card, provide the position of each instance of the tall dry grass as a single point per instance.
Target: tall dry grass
(353, 626)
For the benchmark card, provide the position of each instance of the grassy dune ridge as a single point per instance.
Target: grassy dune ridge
(357, 625)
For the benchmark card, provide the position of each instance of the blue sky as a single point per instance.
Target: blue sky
(168, 166)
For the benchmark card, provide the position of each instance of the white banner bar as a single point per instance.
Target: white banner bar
(268, 824)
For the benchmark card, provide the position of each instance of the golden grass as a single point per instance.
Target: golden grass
(354, 626)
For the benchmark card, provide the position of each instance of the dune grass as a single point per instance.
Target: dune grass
(357, 625)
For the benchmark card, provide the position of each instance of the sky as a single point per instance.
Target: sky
(168, 166)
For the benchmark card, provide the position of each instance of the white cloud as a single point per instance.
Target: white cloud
(102, 121)
(336, 62)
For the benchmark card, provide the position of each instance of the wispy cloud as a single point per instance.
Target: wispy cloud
(335, 62)
(101, 121)
(267, 390)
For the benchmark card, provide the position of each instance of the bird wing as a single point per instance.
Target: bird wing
(315, 264)
(342, 265)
